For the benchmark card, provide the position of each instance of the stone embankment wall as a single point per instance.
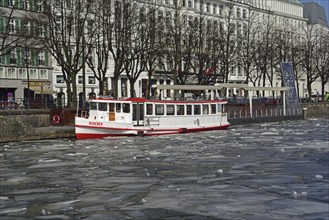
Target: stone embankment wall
(17, 127)
(317, 109)
(34, 124)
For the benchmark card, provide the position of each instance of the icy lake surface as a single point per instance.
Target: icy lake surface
(260, 171)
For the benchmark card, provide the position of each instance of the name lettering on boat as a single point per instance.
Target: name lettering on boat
(96, 123)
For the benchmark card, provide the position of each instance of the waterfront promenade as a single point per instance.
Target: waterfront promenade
(15, 127)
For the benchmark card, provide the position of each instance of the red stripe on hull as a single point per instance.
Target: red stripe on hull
(154, 132)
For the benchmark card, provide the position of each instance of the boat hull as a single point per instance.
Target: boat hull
(92, 132)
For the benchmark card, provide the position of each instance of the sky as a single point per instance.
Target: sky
(324, 3)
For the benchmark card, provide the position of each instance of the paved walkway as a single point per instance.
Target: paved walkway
(55, 132)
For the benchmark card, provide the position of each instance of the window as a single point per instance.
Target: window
(213, 108)
(41, 58)
(214, 8)
(80, 79)
(26, 4)
(11, 73)
(219, 108)
(26, 27)
(90, 24)
(238, 12)
(33, 74)
(59, 79)
(221, 9)
(205, 109)
(69, 4)
(126, 107)
(159, 109)
(93, 106)
(118, 107)
(124, 87)
(40, 5)
(91, 79)
(149, 109)
(170, 109)
(40, 31)
(168, 90)
(189, 4)
(197, 109)
(189, 109)
(180, 110)
(11, 3)
(244, 13)
(208, 7)
(12, 57)
(2, 73)
(102, 107)
(43, 74)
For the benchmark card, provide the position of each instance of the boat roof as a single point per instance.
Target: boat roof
(219, 87)
(102, 99)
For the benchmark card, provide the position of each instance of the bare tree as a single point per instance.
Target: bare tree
(100, 27)
(118, 36)
(309, 56)
(248, 40)
(135, 45)
(265, 46)
(228, 30)
(66, 39)
(10, 34)
(154, 42)
(203, 47)
(173, 54)
(322, 60)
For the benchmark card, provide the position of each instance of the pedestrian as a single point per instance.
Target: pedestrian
(326, 97)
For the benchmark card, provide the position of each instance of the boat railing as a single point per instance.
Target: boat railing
(152, 121)
(266, 112)
(83, 114)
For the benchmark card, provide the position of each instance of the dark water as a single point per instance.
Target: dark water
(268, 171)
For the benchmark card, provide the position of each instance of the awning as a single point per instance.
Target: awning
(188, 87)
(42, 90)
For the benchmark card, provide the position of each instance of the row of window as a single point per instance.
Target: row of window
(91, 79)
(18, 56)
(18, 26)
(33, 5)
(21, 73)
(182, 109)
(162, 109)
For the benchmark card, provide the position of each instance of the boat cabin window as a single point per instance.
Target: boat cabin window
(180, 110)
(149, 109)
(170, 109)
(118, 107)
(102, 107)
(197, 109)
(93, 105)
(189, 109)
(219, 108)
(213, 108)
(111, 105)
(205, 109)
(159, 109)
(126, 107)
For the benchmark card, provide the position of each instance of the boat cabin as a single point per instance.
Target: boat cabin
(143, 112)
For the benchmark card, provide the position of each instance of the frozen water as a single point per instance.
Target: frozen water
(262, 171)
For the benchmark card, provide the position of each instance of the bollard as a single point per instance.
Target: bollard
(304, 113)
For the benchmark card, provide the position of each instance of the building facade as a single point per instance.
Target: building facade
(283, 19)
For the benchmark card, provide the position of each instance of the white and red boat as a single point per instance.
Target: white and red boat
(108, 117)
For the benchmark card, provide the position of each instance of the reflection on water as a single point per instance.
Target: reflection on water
(268, 171)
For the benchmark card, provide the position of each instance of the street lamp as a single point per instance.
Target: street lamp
(28, 81)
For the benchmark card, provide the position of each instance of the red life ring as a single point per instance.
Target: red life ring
(56, 119)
